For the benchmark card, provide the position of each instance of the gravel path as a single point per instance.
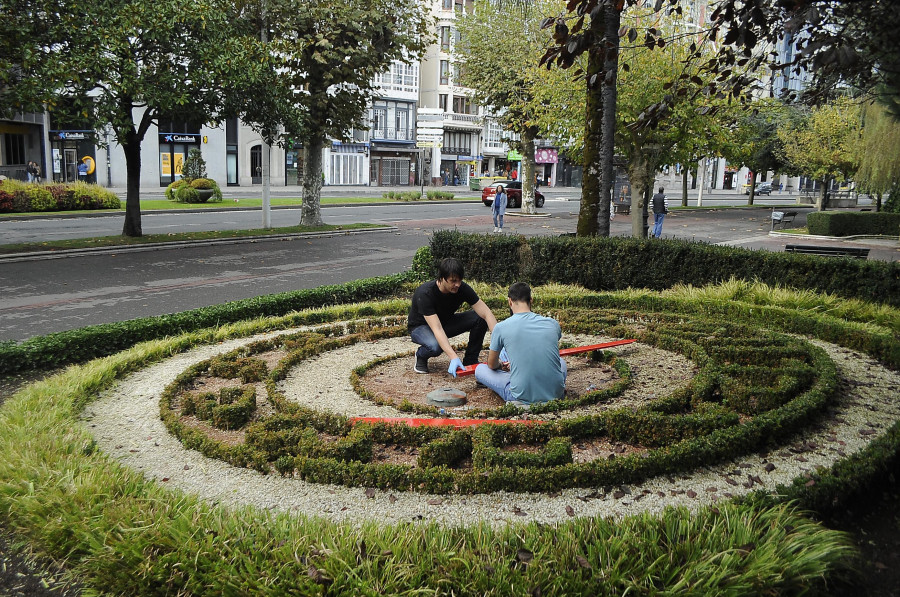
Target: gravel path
(125, 422)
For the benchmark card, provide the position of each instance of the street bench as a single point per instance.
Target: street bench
(855, 252)
(780, 218)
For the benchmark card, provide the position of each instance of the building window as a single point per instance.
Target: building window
(442, 102)
(445, 39)
(463, 105)
(457, 143)
(410, 77)
(445, 72)
(14, 144)
(448, 5)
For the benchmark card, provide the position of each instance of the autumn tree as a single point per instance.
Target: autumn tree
(823, 145)
(122, 65)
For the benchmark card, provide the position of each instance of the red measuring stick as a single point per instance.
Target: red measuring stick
(565, 352)
(412, 422)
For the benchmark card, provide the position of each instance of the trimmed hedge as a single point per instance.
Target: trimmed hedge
(84, 344)
(599, 263)
(853, 223)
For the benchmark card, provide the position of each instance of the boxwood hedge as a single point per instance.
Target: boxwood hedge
(618, 263)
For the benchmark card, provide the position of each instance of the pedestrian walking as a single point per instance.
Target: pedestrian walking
(660, 209)
(498, 208)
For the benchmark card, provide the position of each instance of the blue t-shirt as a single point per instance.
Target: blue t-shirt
(532, 343)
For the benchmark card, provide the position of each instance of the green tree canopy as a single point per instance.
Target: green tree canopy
(123, 65)
(327, 56)
(500, 47)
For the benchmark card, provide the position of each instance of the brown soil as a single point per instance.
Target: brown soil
(395, 381)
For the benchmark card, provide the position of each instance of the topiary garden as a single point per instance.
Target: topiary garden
(231, 450)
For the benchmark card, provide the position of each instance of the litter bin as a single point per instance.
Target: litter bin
(475, 183)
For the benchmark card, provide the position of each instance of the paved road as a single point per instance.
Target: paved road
(45, 295)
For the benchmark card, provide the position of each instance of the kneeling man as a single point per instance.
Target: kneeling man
(535, 372)
(433, 318)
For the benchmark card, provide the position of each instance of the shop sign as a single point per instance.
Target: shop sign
(514, 155)
(179, 138)
(546, 156)
(69, 135)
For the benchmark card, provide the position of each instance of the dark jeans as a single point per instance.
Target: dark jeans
(468, 321)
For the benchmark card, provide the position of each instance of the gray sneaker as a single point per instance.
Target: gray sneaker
(421, 364)
(519, 404)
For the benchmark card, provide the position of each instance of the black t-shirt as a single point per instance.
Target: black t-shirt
(429, 300)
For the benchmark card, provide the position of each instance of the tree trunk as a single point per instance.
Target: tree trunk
(752, 192)
(684, 186)
(527, 138)
(641, 176)
(612, 19)
(878, 202)
(311, 209)
(131, 146)
(589, 211)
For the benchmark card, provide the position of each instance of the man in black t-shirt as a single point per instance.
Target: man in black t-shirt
(433, 318)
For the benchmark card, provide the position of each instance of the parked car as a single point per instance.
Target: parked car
(513, 190)
(762, 188)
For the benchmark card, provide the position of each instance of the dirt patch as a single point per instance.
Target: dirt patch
(395, 381)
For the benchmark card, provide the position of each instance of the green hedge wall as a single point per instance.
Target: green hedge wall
(84, 344)
(853, 223)
(618, 263)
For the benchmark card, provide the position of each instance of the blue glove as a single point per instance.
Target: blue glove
(454, 365)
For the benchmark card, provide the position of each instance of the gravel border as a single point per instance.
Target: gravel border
(126, 425)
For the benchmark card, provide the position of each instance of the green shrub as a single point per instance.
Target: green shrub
(187, 194)
(411, 195)
(618, 263)
(208, 184)
(236, 406)
(194, 166)
(40, 198)
(853, 223)
(173, 186)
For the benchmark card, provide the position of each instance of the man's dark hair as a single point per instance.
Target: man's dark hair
(520, 292)
(661, 189)
(449, 268)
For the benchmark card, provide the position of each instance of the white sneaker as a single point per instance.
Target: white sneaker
(496, 229)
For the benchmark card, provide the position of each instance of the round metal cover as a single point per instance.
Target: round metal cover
(446, 397)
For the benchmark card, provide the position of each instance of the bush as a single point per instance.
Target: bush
(194, 165)
(208, 184)
(439, 195)
(40, 198)
(599, 263)
(28, 197)
(187, 194)
(853, 223)
(6, 201)
(174, 186)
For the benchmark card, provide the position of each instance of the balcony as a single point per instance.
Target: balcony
(392, 134)
(469, 122)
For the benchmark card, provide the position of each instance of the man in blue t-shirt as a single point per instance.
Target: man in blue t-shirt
(433, 318)
(534, 371)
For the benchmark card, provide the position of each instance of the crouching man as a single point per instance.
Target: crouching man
(534, 371)
(433, 319)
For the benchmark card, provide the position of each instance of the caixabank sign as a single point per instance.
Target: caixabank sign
(179, 138)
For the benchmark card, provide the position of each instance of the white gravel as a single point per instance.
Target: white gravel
(125, 422)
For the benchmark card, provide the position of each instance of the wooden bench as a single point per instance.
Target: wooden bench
(780, 218)
(855, 252)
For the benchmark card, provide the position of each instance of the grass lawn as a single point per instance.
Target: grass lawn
(116, 241)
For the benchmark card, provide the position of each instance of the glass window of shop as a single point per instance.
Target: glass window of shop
(176, 139)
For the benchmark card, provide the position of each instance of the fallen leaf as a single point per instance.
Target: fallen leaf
(370, 492)
(570, 510)
(583, 562)
(318, 576)
(435, 502)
